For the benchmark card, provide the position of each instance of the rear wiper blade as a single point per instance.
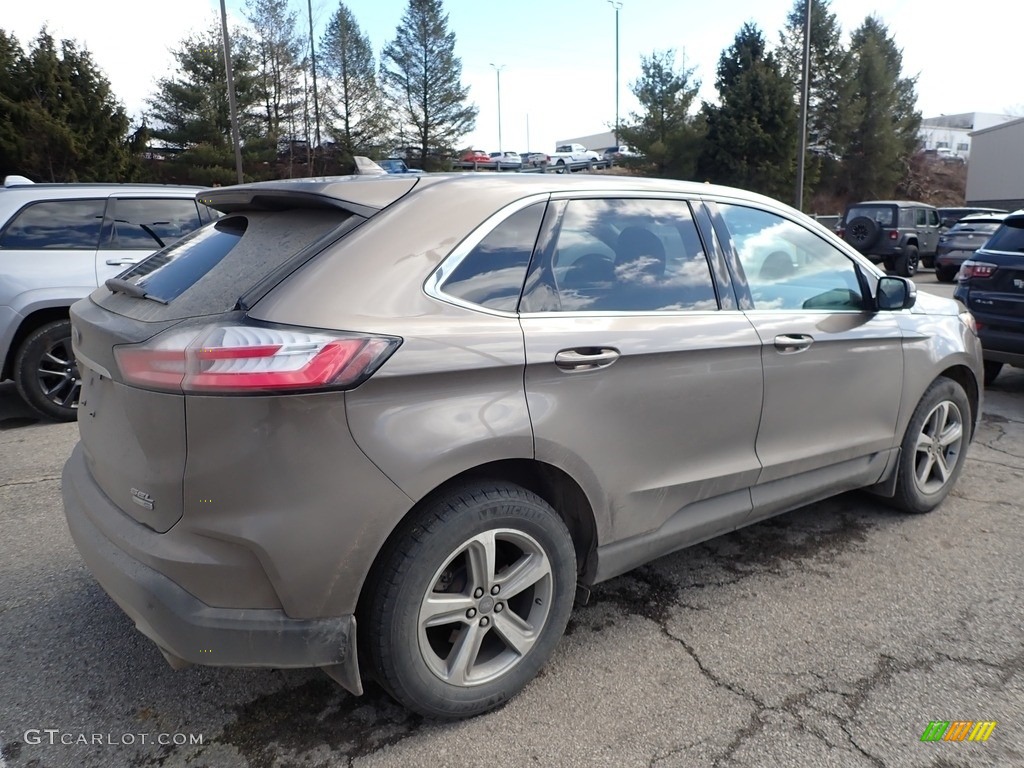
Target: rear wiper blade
(119, 285)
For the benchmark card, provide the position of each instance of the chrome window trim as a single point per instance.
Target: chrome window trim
(432, 286)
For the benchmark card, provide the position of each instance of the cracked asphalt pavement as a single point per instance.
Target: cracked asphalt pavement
(830, 636)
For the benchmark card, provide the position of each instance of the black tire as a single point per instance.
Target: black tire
(560, 166)
(992, 369)
(945, 274)
(862, 233)
(928, 261)
(906, 263)
(46, 374)
(415, 657)
(924, 480)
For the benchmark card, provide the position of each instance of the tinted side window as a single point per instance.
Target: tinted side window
(150, 224)
(625, 255)
(56, 224)
(933, 218)
(789, 267)
(920, 217)
(906, 218)
(492, 274)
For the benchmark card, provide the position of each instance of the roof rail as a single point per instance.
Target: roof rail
(16, 181)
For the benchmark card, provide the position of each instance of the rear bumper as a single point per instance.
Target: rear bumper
(188, 630)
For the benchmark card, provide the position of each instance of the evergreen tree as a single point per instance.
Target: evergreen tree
(355, 108)
(665, 132)
(885, 120)
(751, 133)
(192, 113)
(423, 77)
(277, 52)
(59, 119)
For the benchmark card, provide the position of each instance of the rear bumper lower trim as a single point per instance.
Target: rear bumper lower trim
(189, 630)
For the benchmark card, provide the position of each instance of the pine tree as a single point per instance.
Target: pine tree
(355, 108)
(885, 120)
(277, 52)
(423, 77)
(751, 133)
(664, 132)
(59, 119)
(191, 112)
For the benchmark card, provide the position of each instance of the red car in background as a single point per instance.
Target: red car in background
(476, 156)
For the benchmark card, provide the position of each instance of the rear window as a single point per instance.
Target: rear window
(976, 227)
(1009, 237)
(882, 214)
(207, 271)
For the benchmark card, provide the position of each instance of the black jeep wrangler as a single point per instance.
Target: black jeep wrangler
(896, 233)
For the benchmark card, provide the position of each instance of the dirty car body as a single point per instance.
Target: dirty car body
(428, 412)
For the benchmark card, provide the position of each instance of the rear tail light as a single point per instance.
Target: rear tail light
(971, 269)
(894, 235)
(247, 357)
(841, 231)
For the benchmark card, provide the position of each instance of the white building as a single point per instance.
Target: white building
(995, 175)
(595, 141)
(953, 132)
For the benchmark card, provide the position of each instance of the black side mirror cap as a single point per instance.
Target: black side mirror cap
(895, 293)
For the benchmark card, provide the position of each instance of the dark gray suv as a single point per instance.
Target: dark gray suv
(393, 426)
(899, 234)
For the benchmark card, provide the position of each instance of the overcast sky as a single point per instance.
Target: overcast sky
(558, 79)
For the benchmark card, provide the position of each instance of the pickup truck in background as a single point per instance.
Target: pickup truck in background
(573, 155)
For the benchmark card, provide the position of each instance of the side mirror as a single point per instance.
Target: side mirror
(896, 293)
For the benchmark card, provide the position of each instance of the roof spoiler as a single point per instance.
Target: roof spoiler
(366, 167)
(17, 181)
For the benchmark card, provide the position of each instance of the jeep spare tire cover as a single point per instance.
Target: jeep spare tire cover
(862, 232)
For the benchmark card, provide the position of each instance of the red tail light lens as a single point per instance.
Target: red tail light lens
(244, 357)
(971, 269)
(894, 235)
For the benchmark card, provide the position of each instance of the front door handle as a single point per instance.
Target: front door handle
(123, 262)
(586, 359)
(791, 343)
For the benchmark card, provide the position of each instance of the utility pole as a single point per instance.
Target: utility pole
(617, 5)
(232, 106)
(801, 156)
(497, 70)
(316, 99)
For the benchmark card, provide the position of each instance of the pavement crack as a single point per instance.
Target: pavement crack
(31, 481)
(1001, 450)
(994, 463)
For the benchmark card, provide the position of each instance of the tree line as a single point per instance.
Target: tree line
(862, 121)
(60, 121)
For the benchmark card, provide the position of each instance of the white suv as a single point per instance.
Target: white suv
(57, 243)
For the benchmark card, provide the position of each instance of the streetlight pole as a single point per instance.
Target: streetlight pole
(232, 106)
(801, 156)
(617, 5)
(497, 70)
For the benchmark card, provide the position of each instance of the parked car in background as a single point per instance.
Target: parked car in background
(429, 412)
(506, 159)
(619, 153)
(396, 165)
(476, 156)
(534, 159)
(950, 216)
(896, 233)
(962, 240)
(567, 155)
(991, 285)
(57, 242)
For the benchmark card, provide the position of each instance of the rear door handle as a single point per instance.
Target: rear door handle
(586, 359)
(791, 343)
(123, 262)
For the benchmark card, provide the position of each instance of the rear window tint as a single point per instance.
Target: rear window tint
(1009, 237)
(208, 271)
(883, 214)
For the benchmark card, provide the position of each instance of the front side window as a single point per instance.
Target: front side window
(788, 267)
(492, 273)
(63, 224)
(138, 224)
(623, 255)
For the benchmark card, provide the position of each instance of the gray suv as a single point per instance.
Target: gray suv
(899, 234)
(393, 426)
(57, 242)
